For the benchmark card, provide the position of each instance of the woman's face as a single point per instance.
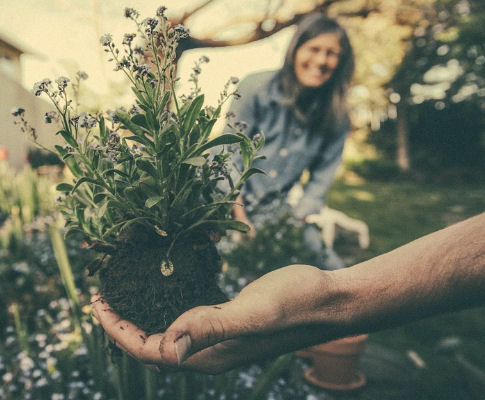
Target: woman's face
(316, 59)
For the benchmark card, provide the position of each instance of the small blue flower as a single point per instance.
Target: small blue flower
(17, 111)
(106, 39)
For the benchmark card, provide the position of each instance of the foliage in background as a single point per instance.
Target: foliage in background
(278, 242)
(436, 96)
(24, 196)
(38, 158)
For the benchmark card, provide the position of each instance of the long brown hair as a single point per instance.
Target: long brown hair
(324, 107)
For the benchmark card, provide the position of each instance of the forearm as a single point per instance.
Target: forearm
(443, 271)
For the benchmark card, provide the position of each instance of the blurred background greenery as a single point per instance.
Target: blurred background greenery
(414, 164)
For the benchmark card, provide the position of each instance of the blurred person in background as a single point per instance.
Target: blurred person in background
(301, 110)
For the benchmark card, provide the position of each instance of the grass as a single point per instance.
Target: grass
(399, 212)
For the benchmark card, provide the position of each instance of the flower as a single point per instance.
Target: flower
(204, 59)
(234, 80)
(151, 23)
(124, 63)
(131, 13)
(42, 86)
(86, 121)
(161, 11)
(142, 69)
(81, 75)
(50, 116)
(138, 50)
(106, 39)
(114, 138)
(62, 82)
(181, 31)
(17, 111)
(134, 110)
(241, 125)
(128, 38)
(75, 119)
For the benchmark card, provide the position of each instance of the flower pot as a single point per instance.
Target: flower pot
(334, 364)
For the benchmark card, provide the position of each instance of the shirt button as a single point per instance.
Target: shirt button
(273, 173)
(283, 152)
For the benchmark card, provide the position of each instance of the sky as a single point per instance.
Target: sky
(64, 37)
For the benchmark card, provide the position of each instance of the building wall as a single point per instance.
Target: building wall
(10, 60)
(12, 94)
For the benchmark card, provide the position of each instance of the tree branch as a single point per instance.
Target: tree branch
(190, 13)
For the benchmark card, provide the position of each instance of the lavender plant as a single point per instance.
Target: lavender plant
(147, 186)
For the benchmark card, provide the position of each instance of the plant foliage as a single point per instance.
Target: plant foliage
(157, 164)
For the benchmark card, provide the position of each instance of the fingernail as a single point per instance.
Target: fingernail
(182, 347)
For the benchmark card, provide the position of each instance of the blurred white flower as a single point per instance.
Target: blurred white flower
(7, 377)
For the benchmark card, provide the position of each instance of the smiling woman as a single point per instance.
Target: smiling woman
(302, 111)
(316, 60)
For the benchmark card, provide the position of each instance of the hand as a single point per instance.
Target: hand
(240, 215)
(299, 305)
(270, 316)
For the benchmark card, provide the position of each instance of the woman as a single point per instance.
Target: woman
(301, 109)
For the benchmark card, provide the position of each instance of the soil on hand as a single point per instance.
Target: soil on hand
(133, 285)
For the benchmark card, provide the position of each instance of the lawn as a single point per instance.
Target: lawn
(396, 213)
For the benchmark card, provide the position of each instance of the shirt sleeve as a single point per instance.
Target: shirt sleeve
(245, 108)
(322, 175)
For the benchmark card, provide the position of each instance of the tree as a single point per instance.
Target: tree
(444, 62)
(256, 20)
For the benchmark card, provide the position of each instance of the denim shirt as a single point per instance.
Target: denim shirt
(289, 147)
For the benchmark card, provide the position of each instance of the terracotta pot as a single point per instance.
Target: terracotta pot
(334, 364)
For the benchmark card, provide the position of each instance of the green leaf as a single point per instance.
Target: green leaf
(123, 225)
(151, 201)
(225, 224)
(64, 187)
(251, 171)
(197, 161)
(140, 120)
(140, 139)
(147, 166)
(226, 138)
(79, 215)
(86, 179)
(139, 97)
(60, 150)
(245, 153)
(74, 167)
(103, 133)
(192, 113)
(113, 171)
(68, 138)
(210, 206)
(126, 120)
(208, 129)
(99, 197)
(165, 99)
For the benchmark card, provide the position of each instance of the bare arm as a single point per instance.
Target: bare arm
(297, 306)
(239, 213)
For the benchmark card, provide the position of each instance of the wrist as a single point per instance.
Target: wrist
(336, 306)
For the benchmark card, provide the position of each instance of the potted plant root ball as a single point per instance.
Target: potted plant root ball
(150, 190)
